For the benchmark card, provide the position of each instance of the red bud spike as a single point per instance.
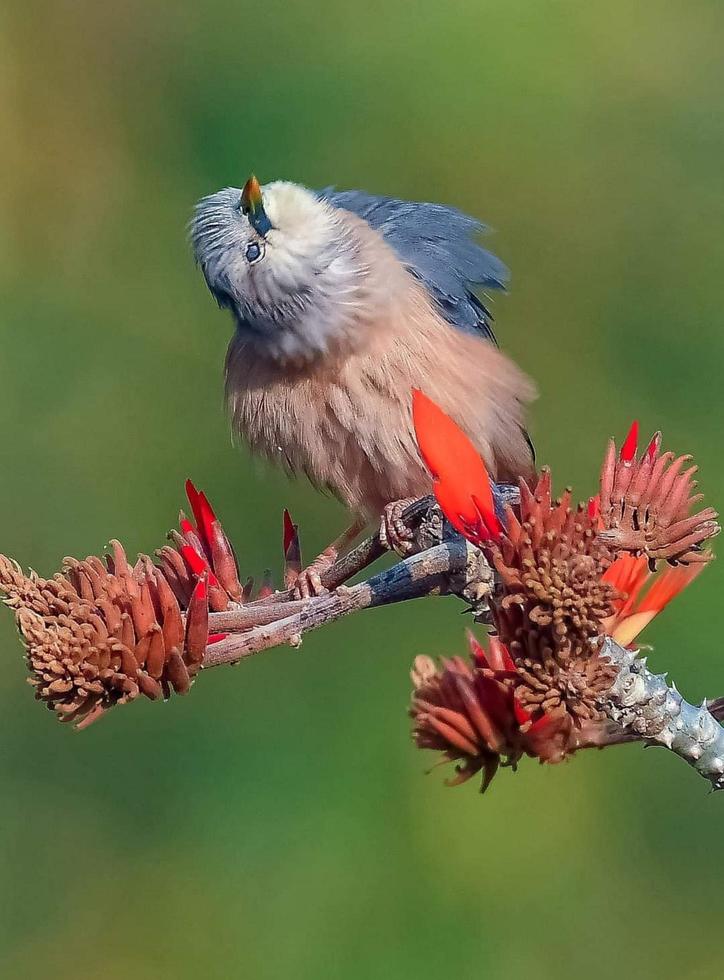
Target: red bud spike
(192, 496)
(197, 564)
(631, 443)
(202, 510)
(206, 516)
(289, 531)
(186, 525)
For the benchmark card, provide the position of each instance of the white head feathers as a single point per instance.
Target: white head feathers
(300, 283)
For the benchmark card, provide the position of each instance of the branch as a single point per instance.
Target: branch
(643, 703)
(452, 566)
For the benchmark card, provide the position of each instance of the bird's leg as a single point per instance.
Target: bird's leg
(309, 582)
(395, 535)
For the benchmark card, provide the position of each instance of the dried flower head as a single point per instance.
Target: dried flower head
(646, 504)
(101, 632)
(471, 712)
(98, 635)
(554, 599)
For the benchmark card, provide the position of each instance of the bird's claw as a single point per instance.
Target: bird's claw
(395, 535)
(309, 582)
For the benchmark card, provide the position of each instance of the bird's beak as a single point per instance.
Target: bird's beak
(252, 205)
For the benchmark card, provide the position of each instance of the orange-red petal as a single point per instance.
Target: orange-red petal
(627, 574)
(460, 479)
(667, 586)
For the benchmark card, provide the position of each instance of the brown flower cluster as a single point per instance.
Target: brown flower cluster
(646, 504)
(551, 563)
(568, 576)
(101, 632)
(470, 710)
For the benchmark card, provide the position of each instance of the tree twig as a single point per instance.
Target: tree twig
(451, 566)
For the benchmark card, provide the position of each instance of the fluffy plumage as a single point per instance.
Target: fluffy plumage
(350, 302)
(438, 246)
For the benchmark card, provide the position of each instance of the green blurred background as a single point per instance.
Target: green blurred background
(278, 823)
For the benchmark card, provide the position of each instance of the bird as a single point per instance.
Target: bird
(343, 302)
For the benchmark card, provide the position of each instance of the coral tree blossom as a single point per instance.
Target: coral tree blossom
(568, 575)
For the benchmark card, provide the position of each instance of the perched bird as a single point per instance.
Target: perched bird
(344, 302)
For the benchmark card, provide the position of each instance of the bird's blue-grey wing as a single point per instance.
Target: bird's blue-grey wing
(438, 245)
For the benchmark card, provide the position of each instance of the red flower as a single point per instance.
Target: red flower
(630, 574)
(206, 549)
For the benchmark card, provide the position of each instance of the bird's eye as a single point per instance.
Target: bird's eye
(253, 252)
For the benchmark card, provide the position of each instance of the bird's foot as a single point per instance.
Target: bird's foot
(395, 535)
(309, 582)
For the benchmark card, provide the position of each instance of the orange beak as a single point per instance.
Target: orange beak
(251, 199)
(252, 205)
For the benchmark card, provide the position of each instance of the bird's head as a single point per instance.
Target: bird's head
(285, 262)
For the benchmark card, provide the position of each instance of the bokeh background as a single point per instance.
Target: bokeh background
(278, 823)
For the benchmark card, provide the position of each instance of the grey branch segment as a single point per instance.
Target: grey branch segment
(644, 703)
(454, 565)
